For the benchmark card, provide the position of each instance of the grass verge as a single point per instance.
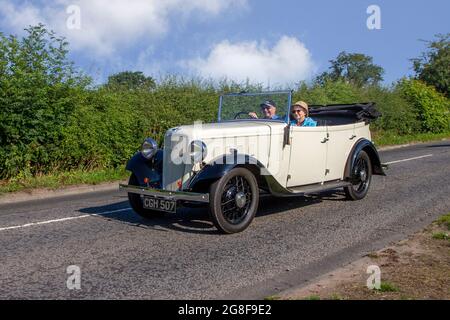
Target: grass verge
(387, 138)
(441, 236)
(61, 179)
(444, 221)
(387, 287)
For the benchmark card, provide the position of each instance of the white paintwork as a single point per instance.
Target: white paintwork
(253, 138)
(339, 145)
(308, 159)
(308, 155)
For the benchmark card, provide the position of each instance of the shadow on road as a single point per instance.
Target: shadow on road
(446, 145)
(196, 220)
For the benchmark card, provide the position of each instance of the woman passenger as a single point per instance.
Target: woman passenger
(300, 115)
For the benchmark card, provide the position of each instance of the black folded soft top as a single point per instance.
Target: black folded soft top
(337, 114)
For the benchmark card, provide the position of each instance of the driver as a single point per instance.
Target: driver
(268, 109)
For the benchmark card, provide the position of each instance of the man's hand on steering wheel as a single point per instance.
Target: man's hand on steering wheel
(253, 115)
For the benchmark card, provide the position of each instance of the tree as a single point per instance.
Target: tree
(129, 80)
(355, 68)
(38, 93)
(433, 66)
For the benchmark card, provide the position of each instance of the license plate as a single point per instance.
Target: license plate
(160, 204)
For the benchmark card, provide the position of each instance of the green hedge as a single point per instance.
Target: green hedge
(430, 107)
(398, 114)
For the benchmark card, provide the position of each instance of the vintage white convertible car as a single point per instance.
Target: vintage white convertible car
(227, 164)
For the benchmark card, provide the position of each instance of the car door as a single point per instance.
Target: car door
(341, 139)
(308, 155)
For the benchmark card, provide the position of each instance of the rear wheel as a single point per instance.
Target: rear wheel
(136, 202)
(361, 177)
(234, 200)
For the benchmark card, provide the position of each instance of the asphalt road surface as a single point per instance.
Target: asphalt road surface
(291, 240)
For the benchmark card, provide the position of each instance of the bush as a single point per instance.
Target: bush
(108, 126)
(397, 114)
(331, 92)
(38, 92)
(431, 108)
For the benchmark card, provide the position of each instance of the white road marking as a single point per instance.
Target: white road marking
(61, 220)
(409, 159)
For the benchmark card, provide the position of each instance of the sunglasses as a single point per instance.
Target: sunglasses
(297, 111)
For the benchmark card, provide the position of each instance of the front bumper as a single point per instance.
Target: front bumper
(169, 195)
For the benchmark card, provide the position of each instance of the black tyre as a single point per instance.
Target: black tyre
(234, 200)
(361, 177)
(136, 202)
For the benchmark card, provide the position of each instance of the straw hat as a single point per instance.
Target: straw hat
(302, 104)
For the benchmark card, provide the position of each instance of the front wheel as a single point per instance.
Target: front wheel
(234, 200)
(136, 202)
(361, 177)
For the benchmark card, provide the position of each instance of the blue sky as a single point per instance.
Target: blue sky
(276, 42)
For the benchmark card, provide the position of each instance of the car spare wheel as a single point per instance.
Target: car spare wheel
(234, 200)
(361, 176)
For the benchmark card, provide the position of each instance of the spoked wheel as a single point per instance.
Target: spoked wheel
(361, 177)
(234, 200)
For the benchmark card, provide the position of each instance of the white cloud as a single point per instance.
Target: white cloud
(19, 16)
(287, 62)
(109, 25)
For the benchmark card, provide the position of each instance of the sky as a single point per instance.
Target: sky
(276, 43)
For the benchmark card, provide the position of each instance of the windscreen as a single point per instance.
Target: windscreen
(255, 106)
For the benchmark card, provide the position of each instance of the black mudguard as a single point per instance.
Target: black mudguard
(369, 148)
(143, 168)
(215, 170)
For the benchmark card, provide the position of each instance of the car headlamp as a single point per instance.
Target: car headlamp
(198, 151)
(149, 148)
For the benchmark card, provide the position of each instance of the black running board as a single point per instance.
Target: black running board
(318, 187)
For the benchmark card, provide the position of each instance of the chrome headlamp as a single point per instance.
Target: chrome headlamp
(149, 148)
(198, 151)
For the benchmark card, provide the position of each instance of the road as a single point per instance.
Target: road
(291, 240)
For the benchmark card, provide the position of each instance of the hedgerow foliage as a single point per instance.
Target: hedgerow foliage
(53, 119)
(431, 108)
(39, 90)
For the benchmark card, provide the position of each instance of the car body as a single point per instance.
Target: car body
(226, 164)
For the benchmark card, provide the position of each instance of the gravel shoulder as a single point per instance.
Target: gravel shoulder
(415, 268)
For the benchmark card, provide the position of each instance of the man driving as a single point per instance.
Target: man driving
(268, 109)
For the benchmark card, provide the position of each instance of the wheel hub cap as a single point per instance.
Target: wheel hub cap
(363, 175)
(240, 199)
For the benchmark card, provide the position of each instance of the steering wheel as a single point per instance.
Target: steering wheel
(237, 115)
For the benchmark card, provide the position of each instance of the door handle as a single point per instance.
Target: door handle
(352, 137)
(324, 140)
